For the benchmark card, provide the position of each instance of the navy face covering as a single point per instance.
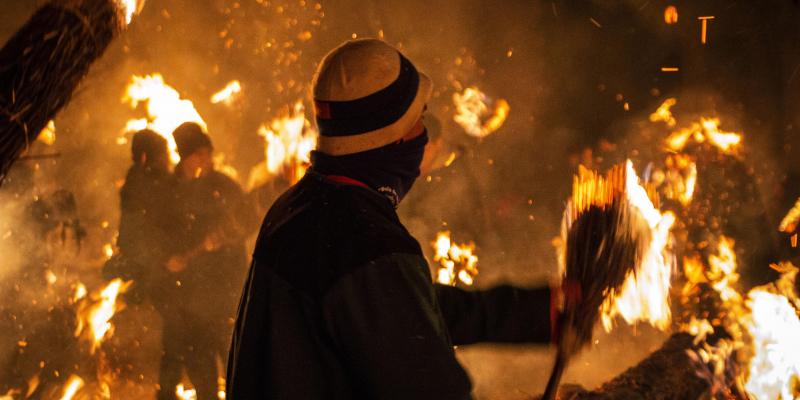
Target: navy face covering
(391, 169)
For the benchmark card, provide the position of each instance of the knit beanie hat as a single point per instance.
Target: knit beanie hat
(189, 137)
(147, 142)
(366, 95)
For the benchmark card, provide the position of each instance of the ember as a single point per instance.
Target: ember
(457, 262)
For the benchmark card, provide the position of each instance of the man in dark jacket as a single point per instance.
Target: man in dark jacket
(145, 222)
(339, 303)
(208, 267)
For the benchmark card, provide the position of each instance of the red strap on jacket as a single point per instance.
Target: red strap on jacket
(345, 180)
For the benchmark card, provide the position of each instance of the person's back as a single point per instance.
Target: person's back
(339, 302)
(319, 240)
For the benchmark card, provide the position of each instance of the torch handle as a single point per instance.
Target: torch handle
(551, 390)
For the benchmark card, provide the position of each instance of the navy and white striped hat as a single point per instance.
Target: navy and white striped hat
(366, 95)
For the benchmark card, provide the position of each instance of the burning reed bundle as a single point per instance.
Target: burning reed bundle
(606, 239)
(42, 64)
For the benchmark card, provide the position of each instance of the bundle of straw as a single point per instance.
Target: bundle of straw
(606, 239)
(42, 64)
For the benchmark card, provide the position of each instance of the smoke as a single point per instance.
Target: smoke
(566, 79)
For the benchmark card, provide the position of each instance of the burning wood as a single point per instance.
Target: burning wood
(45, 60)
(457, 262)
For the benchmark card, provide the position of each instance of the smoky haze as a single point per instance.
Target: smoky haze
(576, 75)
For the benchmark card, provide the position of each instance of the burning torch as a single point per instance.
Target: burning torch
(42, 64)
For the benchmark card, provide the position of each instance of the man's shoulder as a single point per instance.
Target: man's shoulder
(352, 220)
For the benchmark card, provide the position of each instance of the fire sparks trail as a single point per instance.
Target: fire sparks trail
(456, 262)
(289, 141)
(478, 114)
(72, 387)
(130, 8)
(94, 316)
(228, 94)
(166, 110)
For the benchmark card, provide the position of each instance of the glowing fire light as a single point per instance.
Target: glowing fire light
(130, 8)
(48, 134)
(94, 316)
(108, 250)
(289, 141)
(671, 15)
(664, 113)
(789, 222)
(74, 384)
(184, 393)
(165, 108)
(228, 94)
(80, 292)
(706, 130)
(474, 112)
(456, 262)
(775, 328)
(645, 294)
(679, 180)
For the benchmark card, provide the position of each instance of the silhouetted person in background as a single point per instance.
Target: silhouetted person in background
(146, 202)
(208, 267)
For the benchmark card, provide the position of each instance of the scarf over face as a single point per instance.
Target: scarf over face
(391, 170)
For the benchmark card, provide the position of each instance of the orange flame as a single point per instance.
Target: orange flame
(457, 262)
(671, 15)
(774, 326)
(228, 94)
(185, 393)
(74, 384)
(475, 114)
(130, 8)
(289, 141)
(664, 112)
(789, 222)
(166, 110)
(48, 134)
(94, 315)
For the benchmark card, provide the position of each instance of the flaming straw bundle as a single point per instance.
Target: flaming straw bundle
(607, 237)
(42, 64)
